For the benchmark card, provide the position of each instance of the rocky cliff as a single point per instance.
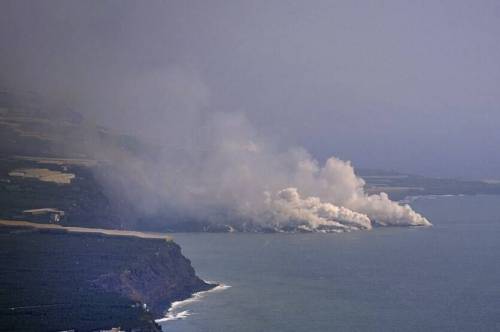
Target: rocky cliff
(155, 277)
(52, 280)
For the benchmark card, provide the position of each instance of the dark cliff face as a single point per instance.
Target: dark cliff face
(155, 278)
(54, 280)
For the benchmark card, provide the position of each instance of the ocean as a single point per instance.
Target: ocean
(442, 278)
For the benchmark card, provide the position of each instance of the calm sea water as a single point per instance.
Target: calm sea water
(444, 278)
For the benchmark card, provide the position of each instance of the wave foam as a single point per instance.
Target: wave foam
(174, 312)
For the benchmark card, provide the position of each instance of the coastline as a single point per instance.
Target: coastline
(412, 198)
(110, 278)
(174, 312)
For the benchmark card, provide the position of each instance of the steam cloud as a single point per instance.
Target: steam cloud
(217, 168)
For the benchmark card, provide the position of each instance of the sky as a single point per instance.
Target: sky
(412, 86)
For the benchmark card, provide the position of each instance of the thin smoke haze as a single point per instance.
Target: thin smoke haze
(247, 102)
(217, 167)
(371, 83)
(330, 165)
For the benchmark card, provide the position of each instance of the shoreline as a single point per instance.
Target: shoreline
(412, 198)
(173, 312)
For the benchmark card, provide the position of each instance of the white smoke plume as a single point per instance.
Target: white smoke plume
(217, 168)
(231, 176)
(311, 214)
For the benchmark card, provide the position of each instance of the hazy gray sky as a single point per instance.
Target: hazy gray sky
(406, 85)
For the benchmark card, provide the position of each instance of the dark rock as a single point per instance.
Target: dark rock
(55, 280)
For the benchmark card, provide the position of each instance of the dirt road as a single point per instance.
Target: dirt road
(113, 232)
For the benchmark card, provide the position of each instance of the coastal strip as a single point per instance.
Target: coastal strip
(71, 229)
